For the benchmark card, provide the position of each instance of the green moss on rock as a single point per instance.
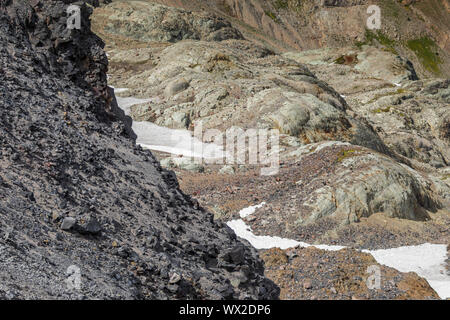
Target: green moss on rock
(425, 50)
(371, 36)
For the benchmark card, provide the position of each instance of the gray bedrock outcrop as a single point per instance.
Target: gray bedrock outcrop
(237, 83)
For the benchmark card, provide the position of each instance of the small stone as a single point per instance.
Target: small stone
(175, 87)
(235, 282)
(56, 216)
(92, 227)
(227, 170)
(68, 223)
(307, 284)
(175, 278)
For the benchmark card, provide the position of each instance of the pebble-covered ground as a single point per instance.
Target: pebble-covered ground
(311, 273)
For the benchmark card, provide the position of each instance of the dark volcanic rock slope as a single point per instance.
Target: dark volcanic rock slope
(76, 194)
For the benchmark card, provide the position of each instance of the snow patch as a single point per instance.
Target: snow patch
(259, 242)
(250, 210)
(174, 141)
(126, 103)
(427, 260)
(243, 231)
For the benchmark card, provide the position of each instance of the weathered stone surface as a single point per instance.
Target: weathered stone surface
(235, 83)
(333, 192)
(410, 116)
(68, 223)
(147, 21)
(182, 163)
(311, 24)
(368, 183)
(353, 183)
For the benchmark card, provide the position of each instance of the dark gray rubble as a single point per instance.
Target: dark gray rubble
(78, 198)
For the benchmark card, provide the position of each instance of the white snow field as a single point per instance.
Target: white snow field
(250, 210)
(178, 142)
(242, 230)
(427, 260)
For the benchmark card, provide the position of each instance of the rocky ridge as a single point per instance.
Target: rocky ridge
(417, 30)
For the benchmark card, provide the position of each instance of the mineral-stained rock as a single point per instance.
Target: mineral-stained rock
(62, 151)
(411, 116)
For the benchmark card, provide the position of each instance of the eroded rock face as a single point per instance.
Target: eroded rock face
(368, 183)
(78, 197)
(235, 83)
(372, 61)
(339, 185)
(333, 192)
(413, 120)
(312, 24)
(145, 21)
(410, 115)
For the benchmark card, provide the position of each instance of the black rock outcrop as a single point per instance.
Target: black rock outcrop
(84, 212)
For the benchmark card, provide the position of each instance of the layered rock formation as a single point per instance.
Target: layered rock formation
(232, 83)
(417, 30)
(153, 22)
(363, 147)
(79, 198)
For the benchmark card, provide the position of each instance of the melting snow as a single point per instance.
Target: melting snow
(266, 242)
(174, 141)
(427, 260)
(260, 242)
(250, 210)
